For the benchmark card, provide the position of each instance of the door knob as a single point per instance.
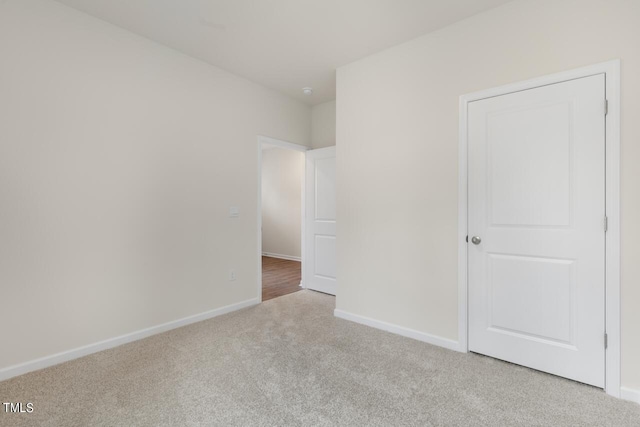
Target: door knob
(476, 240)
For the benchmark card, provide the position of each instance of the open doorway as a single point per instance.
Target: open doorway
(281, 215)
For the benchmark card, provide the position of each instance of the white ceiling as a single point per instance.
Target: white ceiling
(283, 44)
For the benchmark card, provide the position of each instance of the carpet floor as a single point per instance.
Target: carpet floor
(289, 362)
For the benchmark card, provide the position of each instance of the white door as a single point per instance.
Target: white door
(536, 218)
(320, 211)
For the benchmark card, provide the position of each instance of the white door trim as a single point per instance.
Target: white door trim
(291, 146)
(611, 69)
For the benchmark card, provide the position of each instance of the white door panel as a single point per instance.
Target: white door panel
(325, 192)
(320, 268)
(325, 265)
(536, 200)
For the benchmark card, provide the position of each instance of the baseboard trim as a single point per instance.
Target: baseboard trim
(65, 356)
(280, 256)
(630, 394)
(626, 393)
(399, 330)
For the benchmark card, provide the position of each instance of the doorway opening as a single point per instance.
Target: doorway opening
(280, 216)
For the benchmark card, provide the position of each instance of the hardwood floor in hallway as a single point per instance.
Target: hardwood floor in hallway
(279, 277)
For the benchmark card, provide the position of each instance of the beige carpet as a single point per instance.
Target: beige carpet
(289, 362)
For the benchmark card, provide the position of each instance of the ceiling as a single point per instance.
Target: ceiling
(283, 44)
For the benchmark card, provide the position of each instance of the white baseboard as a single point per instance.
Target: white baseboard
(399, 330)
(65, 356)
(630, 394)
(280, 256)
(626, 393)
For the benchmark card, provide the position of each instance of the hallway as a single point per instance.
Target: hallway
(279, 277)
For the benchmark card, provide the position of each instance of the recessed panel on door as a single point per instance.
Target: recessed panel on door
(325, 191)
(325, 265)
(532, 297)
(530, 155)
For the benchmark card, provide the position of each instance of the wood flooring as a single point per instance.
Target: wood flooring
(279, 277)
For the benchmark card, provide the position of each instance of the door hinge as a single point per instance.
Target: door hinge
(606, 224)
(606, 107)
(606, 340)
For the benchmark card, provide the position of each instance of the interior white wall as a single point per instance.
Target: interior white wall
(397, 124)
(282, 172)
(119, 160)
(323, 125)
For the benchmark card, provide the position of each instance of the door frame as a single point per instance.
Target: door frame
(611, 69)
(290, 146)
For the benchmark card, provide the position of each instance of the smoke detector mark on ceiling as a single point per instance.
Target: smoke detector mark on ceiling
(307, 91)
(209, 23)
